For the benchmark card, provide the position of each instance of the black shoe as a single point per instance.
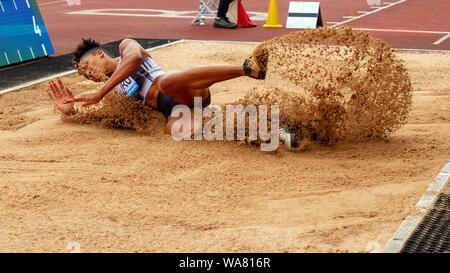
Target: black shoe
(224, 23)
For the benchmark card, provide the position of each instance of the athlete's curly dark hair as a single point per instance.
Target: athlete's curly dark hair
(86, 46)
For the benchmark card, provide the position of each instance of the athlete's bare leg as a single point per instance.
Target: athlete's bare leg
(184, 85)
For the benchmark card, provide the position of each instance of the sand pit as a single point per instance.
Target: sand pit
(117, 190)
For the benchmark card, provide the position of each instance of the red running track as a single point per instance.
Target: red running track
(411, 24)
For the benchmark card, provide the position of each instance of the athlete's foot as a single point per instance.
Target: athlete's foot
(253, 70)
(287, 138)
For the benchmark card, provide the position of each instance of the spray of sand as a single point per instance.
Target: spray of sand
(333, 84)
(118, 111)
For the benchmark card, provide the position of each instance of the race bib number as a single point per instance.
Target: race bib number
(129, 86)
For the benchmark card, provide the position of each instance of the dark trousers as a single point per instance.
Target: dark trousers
(223, 8)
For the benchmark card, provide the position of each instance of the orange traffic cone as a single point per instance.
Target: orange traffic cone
(243, 19)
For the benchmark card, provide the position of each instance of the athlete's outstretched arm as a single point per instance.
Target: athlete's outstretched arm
(131, 53)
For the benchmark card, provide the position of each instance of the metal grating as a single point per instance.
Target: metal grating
(432, 235)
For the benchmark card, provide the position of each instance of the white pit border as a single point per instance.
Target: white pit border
(411, 222)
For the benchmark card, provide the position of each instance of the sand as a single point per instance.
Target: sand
(119, 190)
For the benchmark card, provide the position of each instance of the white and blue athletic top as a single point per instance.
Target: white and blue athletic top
(137, 85)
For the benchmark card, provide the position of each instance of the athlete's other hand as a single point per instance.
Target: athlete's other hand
(60, 94)
(88, 99)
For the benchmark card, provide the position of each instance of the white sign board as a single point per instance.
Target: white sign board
(304, 15)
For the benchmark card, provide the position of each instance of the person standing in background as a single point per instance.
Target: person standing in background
(221, 20)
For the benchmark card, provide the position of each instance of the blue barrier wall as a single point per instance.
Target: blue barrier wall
(23, 35)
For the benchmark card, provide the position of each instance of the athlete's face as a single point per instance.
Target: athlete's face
(94, 66)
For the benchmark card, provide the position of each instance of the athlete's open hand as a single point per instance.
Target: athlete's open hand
(88, 99)
(60, 94)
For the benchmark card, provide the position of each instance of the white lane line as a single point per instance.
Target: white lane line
(255, 16)
(362, 11)
(7, 60)
(442, 39)
(45, 51)
(372, 12)
(14, 1)
(32, 53)
(20, 56)
(1, 5)
(28, 4)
